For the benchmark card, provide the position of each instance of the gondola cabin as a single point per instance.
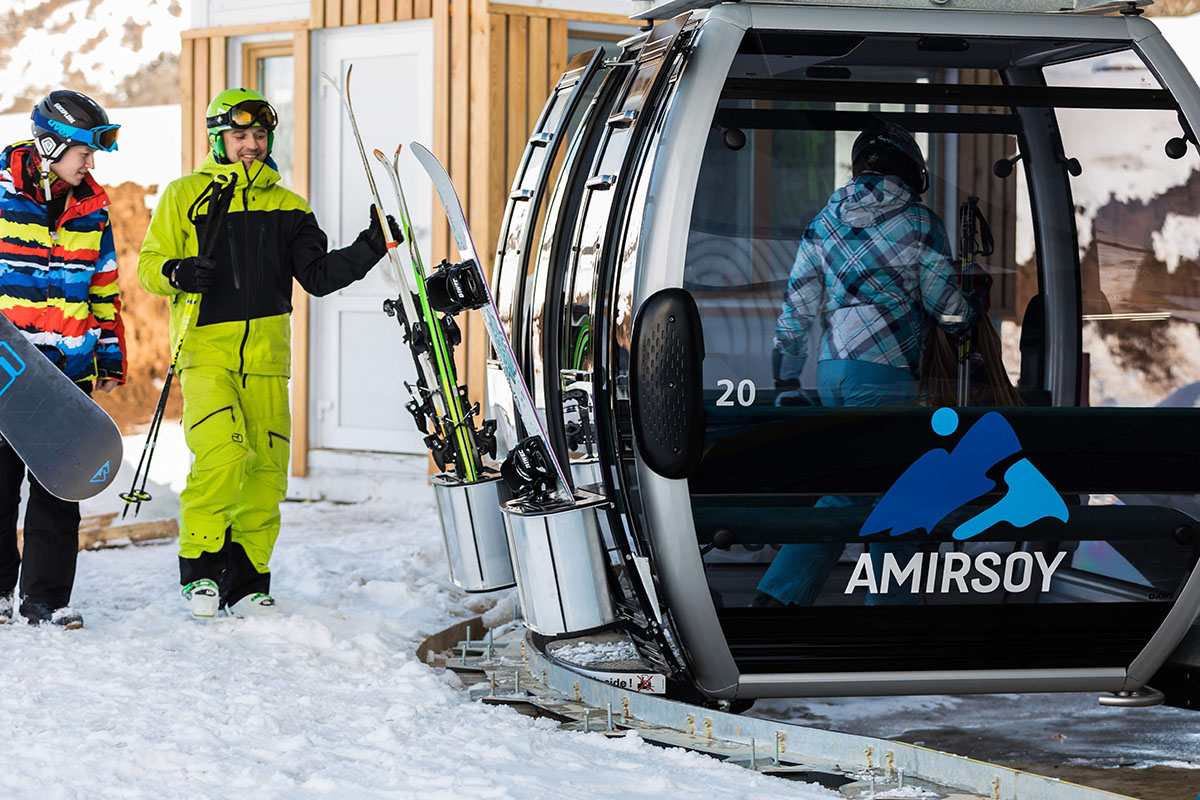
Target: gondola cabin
(674, 269)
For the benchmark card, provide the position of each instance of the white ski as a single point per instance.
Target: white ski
(451, 421)
(560, 492)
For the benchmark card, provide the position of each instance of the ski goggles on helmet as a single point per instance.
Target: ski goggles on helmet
(246, 114)
(102, 137)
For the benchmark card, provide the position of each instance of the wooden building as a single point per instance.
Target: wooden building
(466, 77)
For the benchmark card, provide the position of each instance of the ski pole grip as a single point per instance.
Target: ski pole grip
(666, 383)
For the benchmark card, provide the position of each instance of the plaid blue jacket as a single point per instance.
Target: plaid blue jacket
(875, 267)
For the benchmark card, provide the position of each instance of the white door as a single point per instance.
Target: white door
(359, 365)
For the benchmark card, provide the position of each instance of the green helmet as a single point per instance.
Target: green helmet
(240, 109)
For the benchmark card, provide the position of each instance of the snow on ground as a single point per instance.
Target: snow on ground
(589, 654)
(327, 699)
(1069, 728)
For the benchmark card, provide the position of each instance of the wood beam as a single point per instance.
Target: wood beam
(200, 98)
(242, 30)
(186, 90)
(517, 111)
(563, 14)
(301, 110)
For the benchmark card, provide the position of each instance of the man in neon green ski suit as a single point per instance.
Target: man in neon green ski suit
(235, 359)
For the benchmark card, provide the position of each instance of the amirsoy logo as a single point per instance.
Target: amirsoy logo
(942, 481)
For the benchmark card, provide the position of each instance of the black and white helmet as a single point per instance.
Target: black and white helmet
(886, 148)
(65, 118)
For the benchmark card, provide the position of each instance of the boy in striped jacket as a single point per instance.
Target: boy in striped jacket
(58, 286)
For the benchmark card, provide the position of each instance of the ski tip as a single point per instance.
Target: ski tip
(398, 147)
(379, 154)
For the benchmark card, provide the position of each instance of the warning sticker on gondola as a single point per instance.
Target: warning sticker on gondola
(642, 682)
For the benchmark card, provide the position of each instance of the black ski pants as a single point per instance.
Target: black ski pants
(51, 534)
(51, 537)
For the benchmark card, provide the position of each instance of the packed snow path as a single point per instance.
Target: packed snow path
(327, 699)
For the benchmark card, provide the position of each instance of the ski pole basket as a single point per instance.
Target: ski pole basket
(560, 565)
(473, 529)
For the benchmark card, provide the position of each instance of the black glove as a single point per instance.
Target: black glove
(374, 233)
(193, 274)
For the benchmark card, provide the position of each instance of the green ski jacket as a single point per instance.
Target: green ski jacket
(270, 236)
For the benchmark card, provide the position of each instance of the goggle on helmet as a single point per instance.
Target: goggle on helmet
(239, 109)
(102, 137)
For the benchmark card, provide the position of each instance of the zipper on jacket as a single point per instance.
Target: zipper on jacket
(272, 436)
(246, 330)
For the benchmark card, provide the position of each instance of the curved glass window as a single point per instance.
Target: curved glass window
(951, 347)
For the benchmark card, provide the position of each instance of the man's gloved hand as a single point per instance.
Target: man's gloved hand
(192, 274)
(375, 233)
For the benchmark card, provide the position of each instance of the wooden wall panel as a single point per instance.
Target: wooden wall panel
(558, 51)
(187, 61)
(519, 91)
(441, 113)
(200, 98)
(539, 67)
(302, 113)
(216, 65)
(338, 13)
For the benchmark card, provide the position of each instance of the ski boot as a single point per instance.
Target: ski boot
(37, 613)
(259, 604)
(6, 608)
(202, 597)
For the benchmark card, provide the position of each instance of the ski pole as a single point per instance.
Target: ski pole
(972, 225)
(222, 197)
(966, 246)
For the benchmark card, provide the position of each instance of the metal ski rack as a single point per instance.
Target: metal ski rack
(666, 9)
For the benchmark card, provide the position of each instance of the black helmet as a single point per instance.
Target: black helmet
(886, 148)
(66, 118)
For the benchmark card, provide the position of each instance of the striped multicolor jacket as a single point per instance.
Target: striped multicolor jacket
(874, 271)
(58, 278)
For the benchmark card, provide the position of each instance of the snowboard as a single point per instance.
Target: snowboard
(556, 487)
(67, 441)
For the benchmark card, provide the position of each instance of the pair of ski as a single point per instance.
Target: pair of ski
(531, 470)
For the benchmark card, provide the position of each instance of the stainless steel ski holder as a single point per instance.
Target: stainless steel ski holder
(473, 529)
(560, 566)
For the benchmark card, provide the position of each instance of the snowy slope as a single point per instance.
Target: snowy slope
(325, 700)
(84, 44)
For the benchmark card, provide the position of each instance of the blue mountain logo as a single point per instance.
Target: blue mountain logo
(101, 474)
(942, 481)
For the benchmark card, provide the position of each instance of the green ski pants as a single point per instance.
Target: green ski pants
(238, 429)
